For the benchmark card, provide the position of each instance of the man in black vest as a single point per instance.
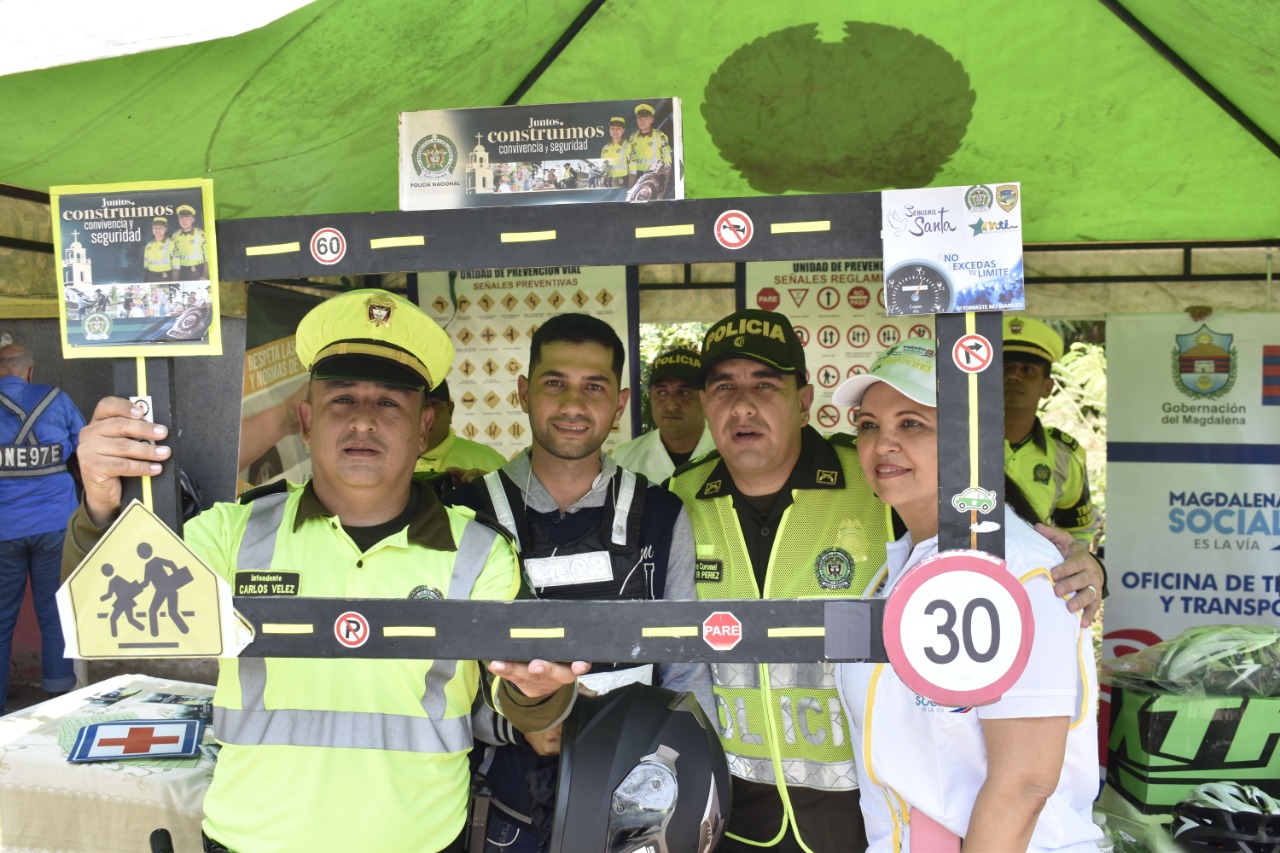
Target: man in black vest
(585, 529)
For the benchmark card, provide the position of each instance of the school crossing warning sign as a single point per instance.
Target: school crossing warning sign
(142, 593)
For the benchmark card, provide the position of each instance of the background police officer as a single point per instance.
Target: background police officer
(680, 432)
(1046, 463)
(355, 754)
(445, 448)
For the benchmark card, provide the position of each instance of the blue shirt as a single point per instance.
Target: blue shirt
(41, 503)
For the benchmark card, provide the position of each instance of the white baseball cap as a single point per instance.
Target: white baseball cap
(909, 367)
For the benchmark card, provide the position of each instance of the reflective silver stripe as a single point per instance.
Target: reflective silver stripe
(257, 547)
(12, 406)
(28, 420)
(33, 472)
(808, 676)
(341, 730)
(253, 683)
(468, 563)
(258, 544)
(501, 506)
(34, 416)
(837, 776)
(812, 676)
(736, 675)
(1061, 471)
(622, 505)
(473, 553)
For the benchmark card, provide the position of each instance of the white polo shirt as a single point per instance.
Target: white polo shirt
(913, 753)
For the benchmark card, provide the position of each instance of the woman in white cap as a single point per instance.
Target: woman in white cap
(1020, 773)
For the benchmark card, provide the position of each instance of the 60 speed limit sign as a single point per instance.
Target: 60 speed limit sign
(328, 246)
(958, 628)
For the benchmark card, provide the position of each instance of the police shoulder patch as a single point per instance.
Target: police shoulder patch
(1060, 436)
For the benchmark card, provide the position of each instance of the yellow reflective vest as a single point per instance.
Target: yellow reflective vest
(782, 723)
(188, 249)
(157, 256)
(1049, 466)
(644, 150)
(458, 452)
(345, 754)
(615, 157)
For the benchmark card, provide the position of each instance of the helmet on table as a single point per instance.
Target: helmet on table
(1221, 660)
(641, 769)
(1228, 816)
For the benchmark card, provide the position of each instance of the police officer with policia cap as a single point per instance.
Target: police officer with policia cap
(1046, 463)
(681, 430)
(190, 251)
(323, 754)
(781, 512)
(446, 450)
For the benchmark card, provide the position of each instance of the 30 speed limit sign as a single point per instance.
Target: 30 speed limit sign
(328, 246)
(958, 628)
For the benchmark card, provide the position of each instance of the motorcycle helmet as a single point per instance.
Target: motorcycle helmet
(1222, 660)
(641, 769)
(1228, 816)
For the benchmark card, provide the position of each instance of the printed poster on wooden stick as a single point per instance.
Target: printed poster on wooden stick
(138, 267)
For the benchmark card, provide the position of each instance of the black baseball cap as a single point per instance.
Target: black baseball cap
(681, 364)
(763, 336)
(440, 392)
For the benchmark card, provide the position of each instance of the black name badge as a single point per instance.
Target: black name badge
(709, 571)
(267, 583)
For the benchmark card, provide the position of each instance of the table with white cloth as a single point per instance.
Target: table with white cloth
(48, 803)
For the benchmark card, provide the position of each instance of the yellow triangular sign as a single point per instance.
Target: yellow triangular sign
(142, 593)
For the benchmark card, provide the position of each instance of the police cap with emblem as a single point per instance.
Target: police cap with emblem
(1027, 336)
(644, 110)
(160, 220)
(186, 210)
(680, 364)
(376, 336)
(619, 121)
(763, 336)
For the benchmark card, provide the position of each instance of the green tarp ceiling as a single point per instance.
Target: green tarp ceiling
(1111, 138)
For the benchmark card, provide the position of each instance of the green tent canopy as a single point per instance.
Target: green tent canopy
(1140, 120)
